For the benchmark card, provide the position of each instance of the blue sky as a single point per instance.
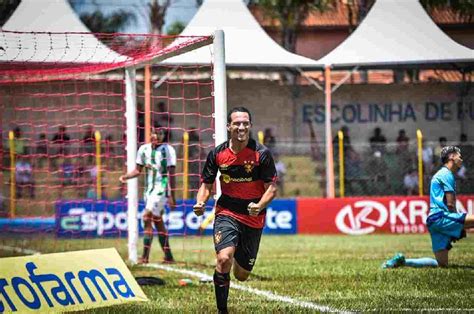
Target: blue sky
(180, 10)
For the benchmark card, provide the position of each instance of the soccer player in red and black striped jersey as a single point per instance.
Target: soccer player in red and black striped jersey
(248, 184)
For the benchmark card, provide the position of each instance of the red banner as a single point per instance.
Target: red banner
(365, 215)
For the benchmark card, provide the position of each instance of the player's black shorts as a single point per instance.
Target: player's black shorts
(230, 232)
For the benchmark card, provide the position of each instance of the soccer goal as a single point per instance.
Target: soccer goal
(75, 107)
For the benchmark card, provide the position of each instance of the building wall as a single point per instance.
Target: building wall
(431, 107)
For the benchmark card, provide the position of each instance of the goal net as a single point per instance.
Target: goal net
(75, 107)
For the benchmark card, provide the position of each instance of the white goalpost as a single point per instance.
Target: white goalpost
(219, 115)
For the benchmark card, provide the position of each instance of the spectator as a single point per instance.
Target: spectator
(110, 151)
(20, 146)
(164, 116)
(42, 145)
(61, 140)
(281, 172)
(24, 177)
(315, 152)
(355, 182)
(67, 171)
(410, 182)
(467, 151)
(402, 141)
(88, 143)
(404, 158)
(269, 140)
(427, 156)
(377, 168)
(378, 141)
(442, 142)
(42, 149)
(194, 163)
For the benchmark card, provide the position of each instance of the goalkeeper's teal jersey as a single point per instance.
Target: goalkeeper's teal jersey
(155, 163)
(443, 181)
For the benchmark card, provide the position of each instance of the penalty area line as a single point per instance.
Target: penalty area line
(266, 294)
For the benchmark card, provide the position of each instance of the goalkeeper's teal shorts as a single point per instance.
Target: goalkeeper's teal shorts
(445, 227)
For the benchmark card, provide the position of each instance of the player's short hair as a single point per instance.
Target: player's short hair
(448, 150)
(238, 109)
(158, 129)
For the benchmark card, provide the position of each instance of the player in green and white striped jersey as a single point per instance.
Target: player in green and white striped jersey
(158, 159)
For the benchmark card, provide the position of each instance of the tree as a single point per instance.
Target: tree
(290, 15)
(97, 22)
(157, 15)
(464, 8)
(357, 10)
(7, 7)
(176, 28)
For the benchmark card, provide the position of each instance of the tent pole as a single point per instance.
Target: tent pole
(329, 154)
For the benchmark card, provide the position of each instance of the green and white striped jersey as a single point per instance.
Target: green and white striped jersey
(156, 183)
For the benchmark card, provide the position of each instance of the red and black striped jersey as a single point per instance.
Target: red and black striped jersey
(242, 179)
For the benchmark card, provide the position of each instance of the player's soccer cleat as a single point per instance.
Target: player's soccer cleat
(142, 260)
(168, 260)
(397, 261)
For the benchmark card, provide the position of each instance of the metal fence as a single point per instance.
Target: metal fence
(382, 169)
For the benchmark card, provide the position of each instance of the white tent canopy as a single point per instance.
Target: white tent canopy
(54, 16)
(397, 32)
(246, 43)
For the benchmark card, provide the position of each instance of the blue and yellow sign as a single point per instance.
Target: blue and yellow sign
(66, 282)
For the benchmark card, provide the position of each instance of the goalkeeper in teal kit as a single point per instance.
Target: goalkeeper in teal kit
(444, 223)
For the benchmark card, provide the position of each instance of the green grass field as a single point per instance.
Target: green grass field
(341, 272)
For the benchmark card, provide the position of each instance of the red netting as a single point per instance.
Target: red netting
(53, 110)
(28, 56)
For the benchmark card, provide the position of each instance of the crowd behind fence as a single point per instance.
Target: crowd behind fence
(389, 168)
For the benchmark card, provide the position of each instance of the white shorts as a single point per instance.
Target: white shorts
(155, 204)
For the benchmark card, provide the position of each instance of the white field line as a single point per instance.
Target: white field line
(421, 310)
(266, 294)
(269, 295)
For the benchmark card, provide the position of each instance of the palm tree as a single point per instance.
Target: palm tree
(157, 15)
(291, 14)
(176, 28)
(464, 8)
(97, 22)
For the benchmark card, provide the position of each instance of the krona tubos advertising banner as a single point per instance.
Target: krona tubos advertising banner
(366, 215)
